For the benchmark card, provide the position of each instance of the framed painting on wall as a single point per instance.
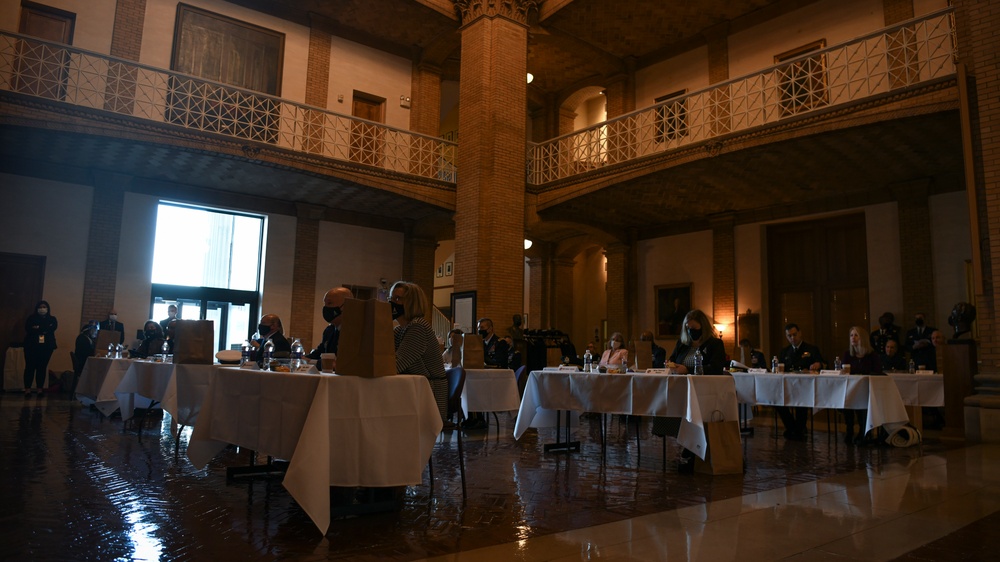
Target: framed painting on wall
(672, 303)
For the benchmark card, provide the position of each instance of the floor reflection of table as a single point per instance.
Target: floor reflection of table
(682, 396)
(98, 381)
(877, 394)
(490, 390)
(334, 430)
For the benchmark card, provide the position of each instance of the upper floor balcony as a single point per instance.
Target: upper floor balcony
(913, 53)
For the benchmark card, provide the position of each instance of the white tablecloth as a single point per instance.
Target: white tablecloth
(180, 389)
(13, 369)
(334, 430)
(691, 398)
(99, 380)
(490, 390)
(877, 394)
(143, 382)
(920, 390)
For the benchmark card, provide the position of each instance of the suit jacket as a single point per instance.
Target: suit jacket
(879, 337)
(713, 353)
(331, 337)
(926, 355)
(109, 325)
(282, 348)
(799, 359)
(659, 356)
(496, 352)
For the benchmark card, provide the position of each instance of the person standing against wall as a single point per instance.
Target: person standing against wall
(39, 343)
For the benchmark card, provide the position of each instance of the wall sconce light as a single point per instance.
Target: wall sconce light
(340, 98)
(720, 328)
(404, 102)
(530, 77)
(527, 243)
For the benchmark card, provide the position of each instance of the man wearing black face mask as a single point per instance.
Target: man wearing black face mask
(332, 303)
(270, 329)
(918, 342)
(885, 331)
(495, 350)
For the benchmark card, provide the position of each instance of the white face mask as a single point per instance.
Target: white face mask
(43, 311)
(615, 344)
(112, 317)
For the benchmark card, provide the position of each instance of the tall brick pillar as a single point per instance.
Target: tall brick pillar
(489, 217)
(317, 82)
(979, 54)
(538, 294)
(418, 262)
(717, 38)
(304, 303)
(562, 294)
(126, 42)
(100, 278)
(622, 135)
(724, 275)
(915, 251)
(617, 288)
(425, 93)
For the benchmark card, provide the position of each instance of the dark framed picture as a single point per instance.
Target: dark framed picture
(440, 272)
(447, 268)
(463, 311)
(672, 303)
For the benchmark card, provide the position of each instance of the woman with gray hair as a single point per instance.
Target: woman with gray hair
(697, 333)
(417, 349)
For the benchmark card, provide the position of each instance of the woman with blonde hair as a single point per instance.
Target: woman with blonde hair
(859, 359)
(417, 349)
(697, 333)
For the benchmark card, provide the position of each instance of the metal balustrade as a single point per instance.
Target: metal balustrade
(917, 51)
(57, 72)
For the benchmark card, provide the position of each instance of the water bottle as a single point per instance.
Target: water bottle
(624, 367)
(111, 351)
(296, 355)
(245, 353)
(699, 368)
(268, 348)
(118, 351)
(588, 361)
(837, 364)
(774, 364)
(913, 367)
(165, 349)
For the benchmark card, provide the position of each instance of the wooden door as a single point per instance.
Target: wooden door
(818, 279)
(22, 278)
(367, 138)
(40, 70)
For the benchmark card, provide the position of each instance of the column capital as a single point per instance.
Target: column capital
(514, 10)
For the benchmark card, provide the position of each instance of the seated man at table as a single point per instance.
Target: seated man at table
(892, 360)
(152, 341)
(659, 353)
(495, 350)
(750, 357)
(797, 356)
(333, 300)
(270, 329)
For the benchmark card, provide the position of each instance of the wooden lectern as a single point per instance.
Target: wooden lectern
(958, 365)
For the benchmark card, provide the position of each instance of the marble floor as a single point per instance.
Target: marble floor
(78, 486)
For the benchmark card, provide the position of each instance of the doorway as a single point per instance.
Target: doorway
(41, 70)
(23, 278)
(367, 138)
(233, 313)
(818, 279)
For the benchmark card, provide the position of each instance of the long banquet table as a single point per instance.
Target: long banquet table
(877, 394)
(917, 389)
(334, 430)
(490, 390)
(691, 398)
(99, 380)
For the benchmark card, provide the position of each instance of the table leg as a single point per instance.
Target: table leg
(565, 446)
(270, 468)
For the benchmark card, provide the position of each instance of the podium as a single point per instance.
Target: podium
(958, 362)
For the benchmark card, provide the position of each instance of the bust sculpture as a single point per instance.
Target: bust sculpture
(961, 318)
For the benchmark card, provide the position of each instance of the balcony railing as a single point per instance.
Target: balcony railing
(916, 51)
(57, 72)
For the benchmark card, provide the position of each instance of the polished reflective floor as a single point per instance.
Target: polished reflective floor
(77, 486)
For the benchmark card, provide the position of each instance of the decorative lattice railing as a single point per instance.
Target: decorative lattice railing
(916, 51)
(57, 72)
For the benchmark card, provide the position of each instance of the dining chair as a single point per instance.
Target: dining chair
(521, 376)
(456, 382)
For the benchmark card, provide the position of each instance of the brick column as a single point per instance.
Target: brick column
(901, 46)
(717, 38)
(418, 262)
(126, 43)
(622, 135)
(538, 296)
(724, 274)
(567, 121)
(100, 278)
(979, 52)
(915, 250)
(425, 118)
(617, 288)
(489, 217)
(304, 304)
(317, 84)
(562, 294)
(895, 11)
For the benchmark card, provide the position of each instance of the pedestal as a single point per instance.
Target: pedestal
(959, 366)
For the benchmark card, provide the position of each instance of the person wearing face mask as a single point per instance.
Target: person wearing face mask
(171, 316)
(333, 300)
(417, 348)
(885, 331)
(918, 342)
(270, 329)
(113, 324)
(496, 352)
(152, 341)
(616, 353)
(697, 333)
(39, 343)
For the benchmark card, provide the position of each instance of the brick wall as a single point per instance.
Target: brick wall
(979, 50)
(304, 304)
(418, 263)
(425, 95)
(318, 68)
(562, 294)
(489, 217)
(895, 11)
(537, 293)
(724, 275)
(617, 288)
(126, 39)
(917, 265)
(101, 274)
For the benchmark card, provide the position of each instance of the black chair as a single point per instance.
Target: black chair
(456, 382)
(521, 376)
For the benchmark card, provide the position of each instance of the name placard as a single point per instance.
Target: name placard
(757, 371)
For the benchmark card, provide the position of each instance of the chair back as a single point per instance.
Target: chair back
(456, 383)
(521, 376)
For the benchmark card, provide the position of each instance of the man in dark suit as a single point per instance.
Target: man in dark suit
(798, 356)
(885, 331)
(918, 342)
(495, 350)
(171, 315)
(270, 329)
(112, 323)
(332, 303)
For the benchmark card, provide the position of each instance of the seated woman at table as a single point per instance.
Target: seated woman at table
(417, 349)
(152, 341)
(862, 360)
(452, 355)
(616, 353)
(697, 333)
